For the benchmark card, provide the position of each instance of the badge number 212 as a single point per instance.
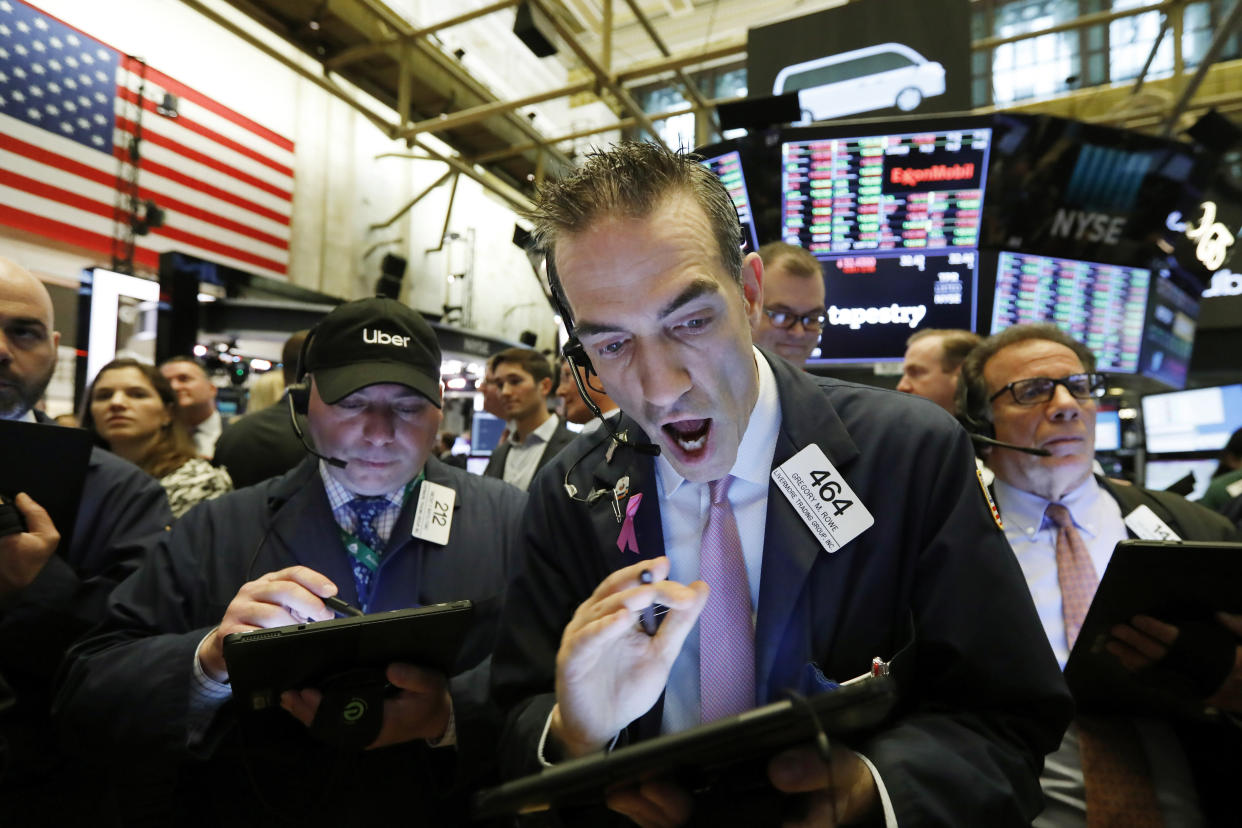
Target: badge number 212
(439, 512)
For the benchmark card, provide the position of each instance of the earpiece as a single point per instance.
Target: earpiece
(299, 392)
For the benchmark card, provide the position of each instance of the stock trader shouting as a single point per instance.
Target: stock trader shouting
(647, 248)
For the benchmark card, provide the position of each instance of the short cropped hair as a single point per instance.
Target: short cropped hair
(955, 345)
(972, 388)
(797, 260)
(185, 358)
(528, 359)
(631, 180)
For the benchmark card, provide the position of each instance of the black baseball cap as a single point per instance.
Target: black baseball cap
(369, 341)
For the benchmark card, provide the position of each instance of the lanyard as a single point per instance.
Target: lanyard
(358, 549)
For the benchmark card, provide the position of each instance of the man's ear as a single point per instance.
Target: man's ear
(545, 387)
(752, 287)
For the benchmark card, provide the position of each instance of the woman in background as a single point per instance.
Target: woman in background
(132, 410)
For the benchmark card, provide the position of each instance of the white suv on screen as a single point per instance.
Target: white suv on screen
(887, 74)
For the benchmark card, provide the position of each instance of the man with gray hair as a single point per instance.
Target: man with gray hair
(1033, 386)
(644, 251)
(932, 363)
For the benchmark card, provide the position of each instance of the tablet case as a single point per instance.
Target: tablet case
(264, 663)
(47, 462)
(1175, 581)
(726, 755)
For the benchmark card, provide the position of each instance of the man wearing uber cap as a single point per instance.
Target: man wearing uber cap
(153, 682)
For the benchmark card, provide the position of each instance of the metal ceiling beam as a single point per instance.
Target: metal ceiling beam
(1223, 32)
(656, 67)
(481, 113)
(366, 50)
(692, 91)
(604, 78)
(1072, 25)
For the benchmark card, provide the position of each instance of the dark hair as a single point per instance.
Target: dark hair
(1231, 451)
(631, 180)
(529, 360)
(184, 358)
(972, 388)
(290, 354)
(955, 345)
(174, 446)
(797, 260)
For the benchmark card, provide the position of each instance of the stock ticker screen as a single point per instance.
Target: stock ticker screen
(1101, 305)
(728, 168)
(876, 301)
(918, 191)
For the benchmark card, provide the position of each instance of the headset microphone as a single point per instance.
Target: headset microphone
(575, 354)
(991, 441)
(297, 429)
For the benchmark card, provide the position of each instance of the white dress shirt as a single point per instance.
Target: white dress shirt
(1098, 519)
(524, 455)
(206, 433)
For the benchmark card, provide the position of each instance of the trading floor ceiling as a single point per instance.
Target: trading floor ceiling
(402, 62)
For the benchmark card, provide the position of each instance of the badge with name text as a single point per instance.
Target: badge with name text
(822, 498)
(434, 515)
(1145, 524)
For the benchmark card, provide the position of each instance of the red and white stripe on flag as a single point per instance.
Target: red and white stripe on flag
(67, 113)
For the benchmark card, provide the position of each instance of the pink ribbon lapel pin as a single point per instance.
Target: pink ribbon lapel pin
(627, 540)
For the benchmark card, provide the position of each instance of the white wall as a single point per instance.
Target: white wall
(340, 188)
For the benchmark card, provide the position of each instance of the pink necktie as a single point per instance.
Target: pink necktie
(726, 632)
(1116, 777)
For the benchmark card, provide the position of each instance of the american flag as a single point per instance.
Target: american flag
(68, 105)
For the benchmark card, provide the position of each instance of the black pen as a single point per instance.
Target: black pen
(646, 617)
(343, 607)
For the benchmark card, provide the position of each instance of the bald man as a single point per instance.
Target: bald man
(932, 363)
(51, 595)
(793, 302)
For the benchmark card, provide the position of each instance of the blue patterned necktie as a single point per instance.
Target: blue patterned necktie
(366, 510)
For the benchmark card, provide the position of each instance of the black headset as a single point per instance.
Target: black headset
(973, 410)
(299, 391)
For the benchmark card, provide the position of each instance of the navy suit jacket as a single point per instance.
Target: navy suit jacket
(982, 697)
(126, 687)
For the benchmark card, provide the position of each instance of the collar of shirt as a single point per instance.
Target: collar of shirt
(592, 424)
(28, 417)
(754, 455)
(339, 497)
(540, 435)
(1025, 511)
(210, 427)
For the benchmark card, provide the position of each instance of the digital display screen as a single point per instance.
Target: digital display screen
(919, 191)
(1107, 431)
(1169, 333)
(1199, 419)
(1102, 306)
(875, 302)
(485, 431)
(1161, 474)
(728, 168)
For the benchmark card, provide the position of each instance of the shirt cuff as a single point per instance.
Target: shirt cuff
(449, 739)
(890, 816)
(543, 741)
(206, 697)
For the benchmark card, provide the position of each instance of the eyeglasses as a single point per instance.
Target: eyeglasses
(785, 319)
(1037, 390)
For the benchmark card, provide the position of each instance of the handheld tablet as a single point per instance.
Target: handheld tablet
(1178, 582)
(718, 756)
(264, 663)
(49, 463)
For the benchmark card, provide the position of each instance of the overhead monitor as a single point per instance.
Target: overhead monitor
(1169, 332)
(485, 431)
(1161, 474)
(1102, 306)
(1198, 419)
(1107, 431)
(877, 300)
(906, 189)
(728, 168)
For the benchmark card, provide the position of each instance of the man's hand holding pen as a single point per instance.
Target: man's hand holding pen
(609, 671)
